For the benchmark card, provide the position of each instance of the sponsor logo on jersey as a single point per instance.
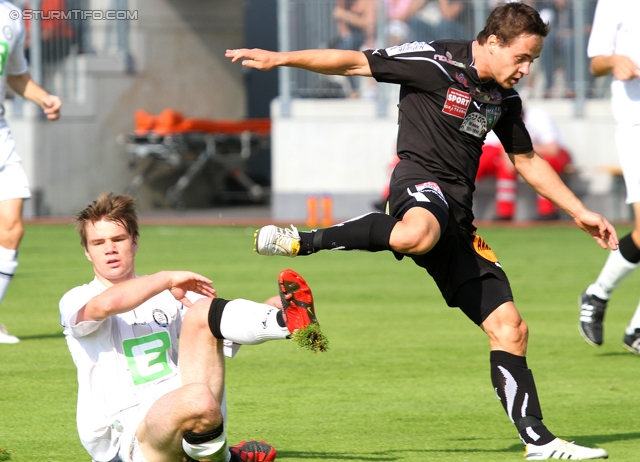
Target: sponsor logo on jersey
(148, 357)
(493, 114)
(431, 187)
(460, 77)
(456, 103)
(474, 124)
(407, 48)
(160, 317)
(483, 249)
(449, 60)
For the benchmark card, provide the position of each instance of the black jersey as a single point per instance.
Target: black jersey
(445, 111)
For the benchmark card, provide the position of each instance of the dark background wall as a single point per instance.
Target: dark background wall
(261, 31)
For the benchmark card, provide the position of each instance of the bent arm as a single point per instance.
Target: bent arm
(127, 295)
(545, 181)
(330, 62)
(622, 67)
(26, 87)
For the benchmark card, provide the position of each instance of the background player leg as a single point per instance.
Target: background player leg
(593, 301)
(11, 232)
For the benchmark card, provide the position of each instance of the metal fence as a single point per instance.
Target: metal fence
(560, 72)
(59, 32)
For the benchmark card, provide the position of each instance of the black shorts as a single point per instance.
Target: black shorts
(464, 267)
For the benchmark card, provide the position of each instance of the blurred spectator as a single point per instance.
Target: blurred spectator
(398, 14)
(559, 49)
(495, 162)
(356, 24)
(56, 36)
(438, 19)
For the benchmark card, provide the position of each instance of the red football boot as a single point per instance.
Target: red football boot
(297, 301)
(252, 451)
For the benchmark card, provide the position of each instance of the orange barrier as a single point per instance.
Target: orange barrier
(171, 121)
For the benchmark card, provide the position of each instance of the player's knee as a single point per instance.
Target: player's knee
(198, 314)
(515, 337)
(522, 332)
(12, 232)
(202, 410)
(412, 240)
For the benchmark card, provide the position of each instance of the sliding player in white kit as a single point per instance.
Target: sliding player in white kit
(614, 48)
(142, 395)
(14, 187)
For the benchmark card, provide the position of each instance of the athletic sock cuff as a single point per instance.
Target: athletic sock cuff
(215, 316)
(508, 358)
(441, 214)
(380, 234)
(199, 438)
(629, 250)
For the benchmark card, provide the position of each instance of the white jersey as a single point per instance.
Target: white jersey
(12, 60)
(125, 363)
(616, 30)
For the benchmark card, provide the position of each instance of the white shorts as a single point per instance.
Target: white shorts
(129, 447)
(628, 142)
(13, 179)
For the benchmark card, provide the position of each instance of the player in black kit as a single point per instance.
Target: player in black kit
(452, 93)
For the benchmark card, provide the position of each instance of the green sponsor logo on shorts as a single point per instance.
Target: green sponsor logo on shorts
(4, 52)
(147, 357)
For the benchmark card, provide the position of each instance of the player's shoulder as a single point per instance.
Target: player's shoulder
(507, 95)
(456, 52)
(81, 291)
(8, 6)
(11, 23)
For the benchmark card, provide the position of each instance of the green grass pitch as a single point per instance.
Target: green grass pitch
(405, 379)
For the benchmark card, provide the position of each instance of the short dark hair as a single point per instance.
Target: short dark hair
(510, 20)
(112, 207)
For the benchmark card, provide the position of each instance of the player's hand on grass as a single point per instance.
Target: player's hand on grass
(602, 231)
(183, 281)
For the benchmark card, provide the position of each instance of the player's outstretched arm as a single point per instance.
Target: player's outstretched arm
(127, 295)
(545, 181)
(330, 62)
(26, 87)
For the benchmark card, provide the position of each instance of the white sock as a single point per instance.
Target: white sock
(635, 322)
(614, 271)
(8, 265)
(249, 323)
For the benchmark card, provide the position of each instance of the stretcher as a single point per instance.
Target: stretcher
(188, 145)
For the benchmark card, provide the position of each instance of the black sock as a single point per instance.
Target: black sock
(199, 438)
(369, 232)
(516, 389)
(629, 250)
